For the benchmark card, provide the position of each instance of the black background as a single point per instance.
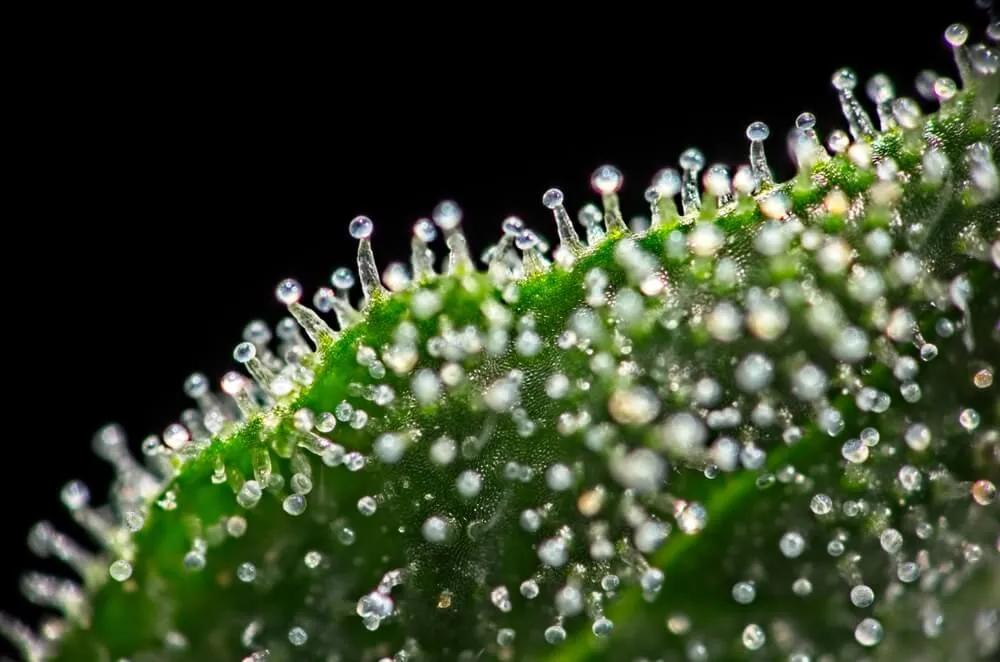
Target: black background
(172, 180)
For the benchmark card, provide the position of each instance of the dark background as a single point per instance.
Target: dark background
(173, 181)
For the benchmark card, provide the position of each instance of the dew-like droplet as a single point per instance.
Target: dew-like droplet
(891, 540)
(717, 182)
(447, 215)
(924, 82)
(196, 385)
(918, 437)
(529, 589)
(792, 544)
(868, 632)
(323, 299)
(555, 634)
(745, 181)
(637, 405)
(249, 494)
(120, 570)
(236, 526)
(753, 637)
(247, 572)
(512, 226)
(175, 436)
(983, 378)
(692, 159)
(993, 32)
(75, 495)
(553, 552)
(297, 636)
(435, 529)
(805, 121)
(361, 227)
(986, 61)
(558, 477)
(844, 79)
(667, 182)
(956, 35)
(389, 447)
(821, 504)
(602, 627)
(802, 587)
(552, 198)
(244, 352)
(907, 572)
(838, 141)
(744, 592)
(342, 278)
(526, 240)
(606, 179)
(969, 419)
(854, 451)
(367, 506)
(984, 492)
(134, 521)
(692, 518)
(194, 561)
(862, 596)
(425, 230)
(294, 504)
(469, 483)
(288, 291)
(880, 89)
(758, 131)
(945, 88)
(706, 239)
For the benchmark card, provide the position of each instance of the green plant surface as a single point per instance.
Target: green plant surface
(766, 428)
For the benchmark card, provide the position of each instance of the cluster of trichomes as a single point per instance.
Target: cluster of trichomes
(764, 427)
